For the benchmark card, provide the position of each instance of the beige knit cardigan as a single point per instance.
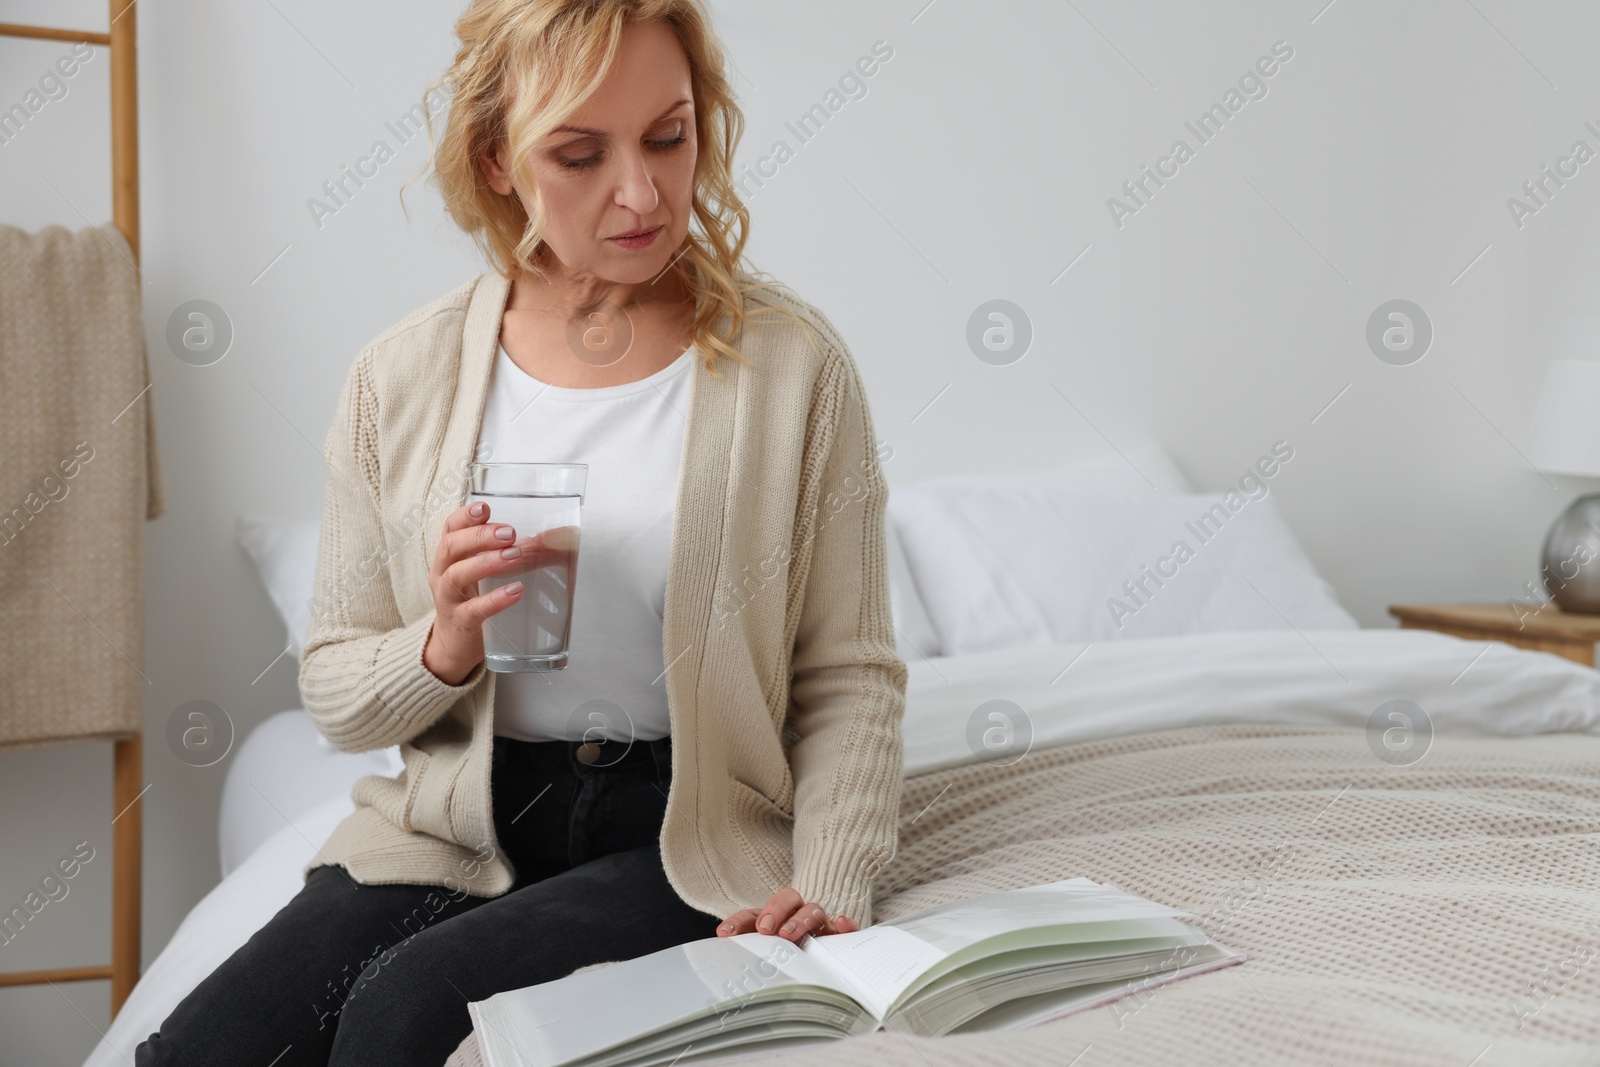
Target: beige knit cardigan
(784, 687)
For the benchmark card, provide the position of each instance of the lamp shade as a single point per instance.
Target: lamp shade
(1565, 438)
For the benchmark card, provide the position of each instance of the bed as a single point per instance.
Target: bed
(1414, 890)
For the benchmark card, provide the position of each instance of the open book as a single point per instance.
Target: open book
(996, 962)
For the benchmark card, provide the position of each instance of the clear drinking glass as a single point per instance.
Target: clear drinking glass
(543, 501)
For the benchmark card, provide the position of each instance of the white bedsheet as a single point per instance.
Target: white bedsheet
(283, 769)
(224, 919)
(1330, 678)
(1068, 693)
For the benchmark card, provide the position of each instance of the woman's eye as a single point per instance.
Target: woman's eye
(589, 161)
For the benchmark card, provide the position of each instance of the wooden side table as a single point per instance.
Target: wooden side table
(1543, 628)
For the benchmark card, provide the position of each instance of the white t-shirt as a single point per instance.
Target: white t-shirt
(631, 436)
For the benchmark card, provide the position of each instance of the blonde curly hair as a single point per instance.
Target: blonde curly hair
(523, 68)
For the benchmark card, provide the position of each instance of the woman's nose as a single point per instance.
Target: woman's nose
(638, 192)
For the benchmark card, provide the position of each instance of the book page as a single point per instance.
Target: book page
(874, 965)
(961, 923)
(1030, 1011)
(554, 1022)
(879, 963)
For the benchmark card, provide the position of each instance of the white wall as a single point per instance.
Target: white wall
(1225, 315)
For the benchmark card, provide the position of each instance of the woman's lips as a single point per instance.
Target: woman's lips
(643, 240)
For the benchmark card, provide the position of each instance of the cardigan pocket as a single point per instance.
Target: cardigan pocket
(760, 800)
(431, 802)
(764, 829)
(416, 762)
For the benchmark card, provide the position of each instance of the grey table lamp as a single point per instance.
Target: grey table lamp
(1566, 440)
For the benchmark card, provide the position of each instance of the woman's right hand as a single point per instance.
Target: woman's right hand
(471, 548)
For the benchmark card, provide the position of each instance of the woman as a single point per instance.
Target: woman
(732, 604)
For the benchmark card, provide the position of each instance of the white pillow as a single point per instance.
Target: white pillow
(1012, 562)
(914, 637)
(1142, 469)
(285, 555)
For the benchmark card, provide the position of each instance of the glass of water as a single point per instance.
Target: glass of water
(543, 501)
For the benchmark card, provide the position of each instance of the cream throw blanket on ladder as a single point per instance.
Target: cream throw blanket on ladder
(79, 480)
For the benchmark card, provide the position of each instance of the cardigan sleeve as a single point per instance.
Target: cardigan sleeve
(847, 680)
(362, 678)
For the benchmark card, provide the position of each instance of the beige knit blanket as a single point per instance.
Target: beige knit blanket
(78, 481)
(1443, 913)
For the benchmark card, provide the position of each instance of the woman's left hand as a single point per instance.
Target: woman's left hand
(788, 916)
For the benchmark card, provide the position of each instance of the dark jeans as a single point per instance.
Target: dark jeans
(356, 974)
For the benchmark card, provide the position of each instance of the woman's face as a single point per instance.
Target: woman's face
(623, 163)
